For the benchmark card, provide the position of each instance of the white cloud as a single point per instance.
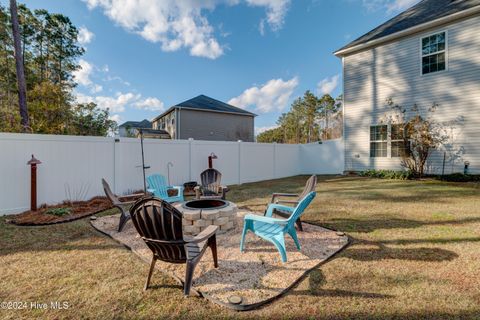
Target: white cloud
(150, 104)
(85, 36)
(328, 85)
(96, 88)
(82, 75)
(115, 117)
(181, 24)
(276, 11)
(390, 5)
(273, 95)
(115, 104)
(259, 130)
(400, 5)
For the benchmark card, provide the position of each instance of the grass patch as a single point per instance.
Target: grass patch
(415, 254)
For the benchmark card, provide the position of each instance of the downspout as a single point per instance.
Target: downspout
(343, 117)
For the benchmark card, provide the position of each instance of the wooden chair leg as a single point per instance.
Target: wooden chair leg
(212, 243)
(152, 267)
(188, 277)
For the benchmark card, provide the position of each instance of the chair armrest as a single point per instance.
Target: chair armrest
(271, 207)
(198, 191)
(178, 188)
(223, 190)
(130, 196)
(254, 217)
(204, 235)
(276, 195)
(287, 201)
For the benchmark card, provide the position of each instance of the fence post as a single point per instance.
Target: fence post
(115, 140)
(274, 160)
(190, 159)
(239, 162)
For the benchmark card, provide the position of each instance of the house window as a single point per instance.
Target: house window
(434, 49)
(378, 141)
(399, 145)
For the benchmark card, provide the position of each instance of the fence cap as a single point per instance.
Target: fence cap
(33, 161)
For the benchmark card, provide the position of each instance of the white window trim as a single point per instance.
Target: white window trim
(447, 46)
(378, 141)
(390, 142)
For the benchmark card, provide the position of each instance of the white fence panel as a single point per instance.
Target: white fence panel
(72, 167)
(227, 162)
(287, 160)
(325, 158)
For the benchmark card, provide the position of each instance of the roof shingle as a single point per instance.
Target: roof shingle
(423, 12)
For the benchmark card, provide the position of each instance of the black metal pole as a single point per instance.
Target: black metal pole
(143, 163)
(443, 167)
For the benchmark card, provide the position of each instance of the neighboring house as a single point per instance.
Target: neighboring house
(427, 54)
(131, 129)
(204, 118)
(128, 129)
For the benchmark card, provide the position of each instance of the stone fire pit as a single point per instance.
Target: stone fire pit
(199, 214)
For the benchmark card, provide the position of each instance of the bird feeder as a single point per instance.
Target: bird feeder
(210, 158)
(33, 182)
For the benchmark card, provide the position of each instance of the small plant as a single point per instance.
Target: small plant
(59, 211)
(388, 174)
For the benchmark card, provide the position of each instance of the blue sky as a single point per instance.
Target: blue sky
(144, 56)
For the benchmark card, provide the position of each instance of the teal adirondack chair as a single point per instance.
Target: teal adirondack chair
(159, 187)
(274, 230)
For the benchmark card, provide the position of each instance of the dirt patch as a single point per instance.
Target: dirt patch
(76, 210)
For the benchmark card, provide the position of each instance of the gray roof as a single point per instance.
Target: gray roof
(203, 102)
(137, 124)
(424, 11)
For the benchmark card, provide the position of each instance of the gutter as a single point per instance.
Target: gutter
(401, 34)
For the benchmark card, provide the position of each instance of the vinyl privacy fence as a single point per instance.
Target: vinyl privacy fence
(72, 167)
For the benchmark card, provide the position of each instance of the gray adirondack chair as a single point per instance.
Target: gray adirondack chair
(160, 226)
(123, 206)
(211, 187)
(279, 198)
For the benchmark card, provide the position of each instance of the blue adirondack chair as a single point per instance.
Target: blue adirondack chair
(274, 230)
(159, 187)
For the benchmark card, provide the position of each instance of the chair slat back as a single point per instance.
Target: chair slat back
(309, 187)
(300, 208)
(108, 192)
(158, 220)
(159, 183)
(211, 181)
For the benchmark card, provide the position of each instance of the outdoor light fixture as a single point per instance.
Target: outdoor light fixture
(210, 157)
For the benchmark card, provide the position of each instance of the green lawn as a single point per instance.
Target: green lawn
(415, 253)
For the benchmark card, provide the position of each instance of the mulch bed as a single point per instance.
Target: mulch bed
(78, 210)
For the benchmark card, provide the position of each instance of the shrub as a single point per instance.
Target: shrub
(460, 177)
(58, 211)
(387, 174)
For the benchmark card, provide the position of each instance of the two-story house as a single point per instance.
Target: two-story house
(429, 54)
(204, 118)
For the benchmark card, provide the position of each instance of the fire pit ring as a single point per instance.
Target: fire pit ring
(205, 204)
(197, 215)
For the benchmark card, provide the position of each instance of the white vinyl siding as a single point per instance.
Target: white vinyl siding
(393, 71)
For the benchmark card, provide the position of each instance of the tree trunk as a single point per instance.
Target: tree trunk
(22, 90)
